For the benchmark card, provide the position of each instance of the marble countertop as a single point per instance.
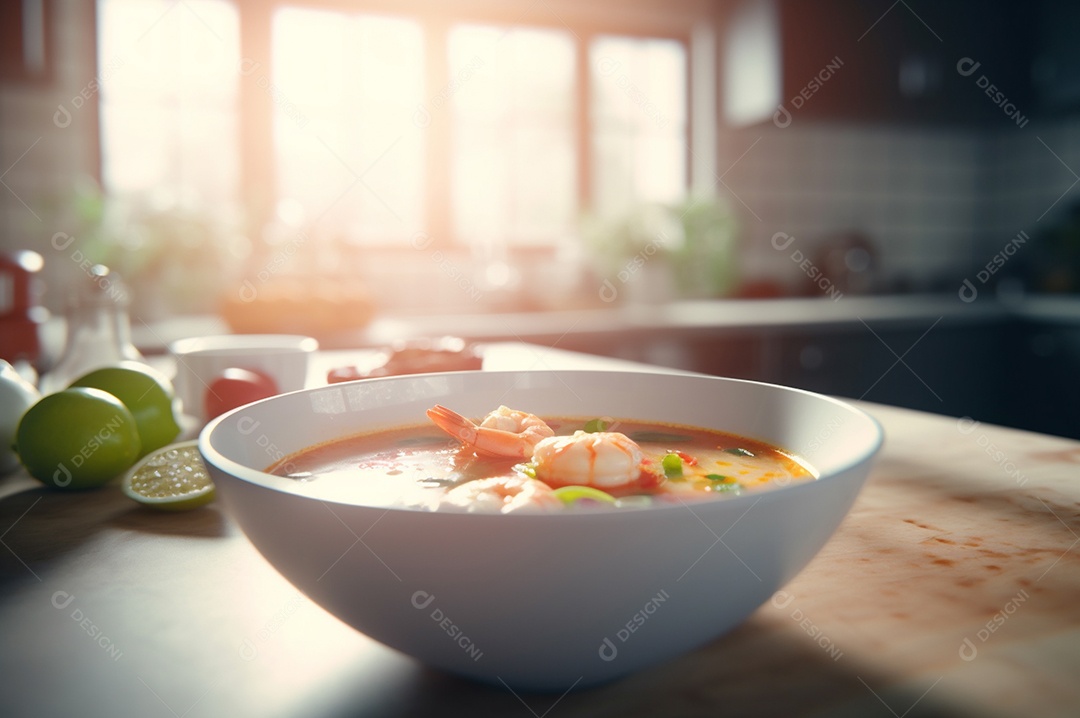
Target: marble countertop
(949, 590)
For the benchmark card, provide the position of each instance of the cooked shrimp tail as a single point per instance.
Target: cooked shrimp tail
(453, 423)
(504, 432)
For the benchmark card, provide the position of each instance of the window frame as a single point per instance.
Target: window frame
(675, 20)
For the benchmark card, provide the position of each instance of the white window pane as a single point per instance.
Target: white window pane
(480, 182)
(659, 168)
(612, 64)
(208, 53)
(475, 77)
(309, 56)
(345, 89)
(169, 92)
(127, 128)
(514, 159)
(308, 171)
(139, 65)
(663, 67)
(543, 212)
(164, 48)
(639, 137)
(391, 70)
(613, 172)
(543, 78)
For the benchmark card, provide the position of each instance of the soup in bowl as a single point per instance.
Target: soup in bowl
(626, 519)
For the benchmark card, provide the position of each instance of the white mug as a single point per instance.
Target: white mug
(200, 360)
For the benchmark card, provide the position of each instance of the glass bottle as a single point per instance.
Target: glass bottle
(98, 329)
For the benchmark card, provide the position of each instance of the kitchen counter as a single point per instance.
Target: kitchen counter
(1011, 361)
(687, 318)
(678, 317)
(950, 590)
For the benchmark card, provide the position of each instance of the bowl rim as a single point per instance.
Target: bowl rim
(256, 477)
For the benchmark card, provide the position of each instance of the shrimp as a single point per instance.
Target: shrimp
(603, 459)
(504, 494)
(504, 432)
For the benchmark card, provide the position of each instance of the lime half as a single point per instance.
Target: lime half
(173, 478)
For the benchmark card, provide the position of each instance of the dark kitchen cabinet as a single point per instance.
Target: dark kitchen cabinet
(924, 61)
(951, 367)
(943, 369)
(1043, 378)
(1014, 368)
(1055, 65)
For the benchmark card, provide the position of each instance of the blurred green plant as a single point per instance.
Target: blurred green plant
(695, 242)
(707, 263)
(175, 256)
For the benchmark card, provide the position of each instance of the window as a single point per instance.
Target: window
(639, 122)
(345, 87)
(513, 161)
(488, 128)
(169, 91)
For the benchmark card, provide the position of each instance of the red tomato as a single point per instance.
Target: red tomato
(235, 387)
(687, 459)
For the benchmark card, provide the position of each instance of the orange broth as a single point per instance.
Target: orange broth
(415, 466)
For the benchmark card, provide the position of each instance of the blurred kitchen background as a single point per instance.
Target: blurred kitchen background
(870, 198)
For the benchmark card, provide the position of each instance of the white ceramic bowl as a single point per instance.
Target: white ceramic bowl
(541, 601)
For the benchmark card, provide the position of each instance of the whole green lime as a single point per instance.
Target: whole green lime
(146, 393)
(77, 439)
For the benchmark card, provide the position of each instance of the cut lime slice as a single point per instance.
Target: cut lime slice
(173, 478)
(570, 495)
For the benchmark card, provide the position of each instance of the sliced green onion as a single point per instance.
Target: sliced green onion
(739, 452)
(594, 425)
(570, 495)
(723, 483)
(672, 464)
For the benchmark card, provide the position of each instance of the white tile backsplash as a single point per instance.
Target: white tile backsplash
(936, 201)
